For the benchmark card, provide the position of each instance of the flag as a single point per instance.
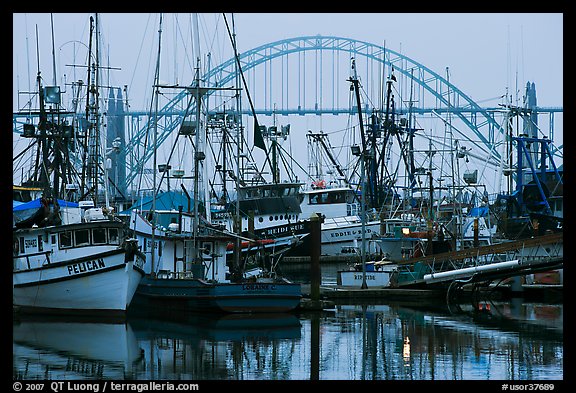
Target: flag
(258, 139)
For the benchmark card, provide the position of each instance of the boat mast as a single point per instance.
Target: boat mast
(237, 224)
(356, 88)
(199, 154)
(93, 130)
(155, 141)
(42, 152)
(362, 155)
(100, 147)
(52, 169)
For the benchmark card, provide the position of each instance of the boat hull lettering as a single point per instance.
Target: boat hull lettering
(87, 266)
(258, 287)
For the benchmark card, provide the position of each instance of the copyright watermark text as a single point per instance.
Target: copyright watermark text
(101, 387)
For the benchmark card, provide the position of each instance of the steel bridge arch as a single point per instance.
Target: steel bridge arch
(169, 116)
(225, 73)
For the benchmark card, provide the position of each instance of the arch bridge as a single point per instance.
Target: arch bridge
(307, 76)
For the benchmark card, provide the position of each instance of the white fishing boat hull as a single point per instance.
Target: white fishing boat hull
(342, 234)
(373, 279)
(98, 283)
(352, 278)
(378, 274)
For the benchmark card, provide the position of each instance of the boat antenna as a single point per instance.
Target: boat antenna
(53, 51)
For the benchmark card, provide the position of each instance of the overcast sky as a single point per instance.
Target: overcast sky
(486, 53)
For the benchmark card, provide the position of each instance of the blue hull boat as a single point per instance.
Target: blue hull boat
(263, 296)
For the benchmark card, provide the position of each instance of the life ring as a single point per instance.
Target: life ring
(319, 184)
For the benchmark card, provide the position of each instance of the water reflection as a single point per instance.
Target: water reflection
(396, 341)
(392, 341)
(217, 347)
(63, 348)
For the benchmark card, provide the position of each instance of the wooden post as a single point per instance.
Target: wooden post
(315, 347)
(476, 233)
(315, 247)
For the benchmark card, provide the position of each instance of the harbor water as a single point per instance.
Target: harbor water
(511, 340)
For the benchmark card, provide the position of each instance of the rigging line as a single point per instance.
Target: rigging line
(151, 111)
(246, 88)
(32, 143)
(138, 58)
(211, 43)
(186, 52)
(296, 162)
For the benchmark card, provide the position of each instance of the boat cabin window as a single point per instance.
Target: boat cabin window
(327, 198)
(113, 236)
(65, 239)
(252, 194)
(40, 244)
(15, 246)
(207, 248)
(99, 235)
(53, 239)
(82, 237)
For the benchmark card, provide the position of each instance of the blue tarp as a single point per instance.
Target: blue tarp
(35, 204)
(479, 211)
(164, 201)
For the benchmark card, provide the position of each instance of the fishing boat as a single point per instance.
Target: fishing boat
(187, 269)
(375, 274)
(341, 230)
(266, 211)
(535, 206)
(82, 265)
(271, 218)
(186, 254)
(70, 256)
(331, 196)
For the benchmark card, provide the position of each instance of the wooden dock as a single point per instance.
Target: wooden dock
(531, 292)
(344, 292)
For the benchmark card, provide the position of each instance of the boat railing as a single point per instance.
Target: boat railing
(35, 262)
(166, 274)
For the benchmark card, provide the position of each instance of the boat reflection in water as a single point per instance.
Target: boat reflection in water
(63, 348)
(216, 346)
(487, 341)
